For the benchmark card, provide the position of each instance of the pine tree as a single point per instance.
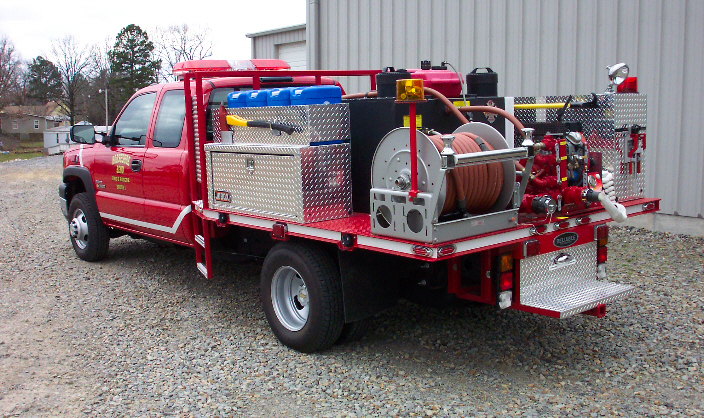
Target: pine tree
(44, 83)
(132, 62)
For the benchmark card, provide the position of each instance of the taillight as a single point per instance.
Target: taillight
(505, 262)
(422, 251)
(531, 248)
(601, 255)
(601, 235)
(506, 280)
(504, 265)
(446, 250)
(562, 225)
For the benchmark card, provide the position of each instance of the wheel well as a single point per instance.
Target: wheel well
(74, 185)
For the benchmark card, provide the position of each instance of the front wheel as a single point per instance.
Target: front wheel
(89, 237)
(302, 296)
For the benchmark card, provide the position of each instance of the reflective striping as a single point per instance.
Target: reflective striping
(170, 230)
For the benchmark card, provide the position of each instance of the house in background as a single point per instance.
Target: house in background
(58, 140)
(26, 120)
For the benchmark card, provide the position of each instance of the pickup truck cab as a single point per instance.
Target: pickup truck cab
(137, 180)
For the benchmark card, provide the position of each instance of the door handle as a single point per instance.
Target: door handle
(136, 165)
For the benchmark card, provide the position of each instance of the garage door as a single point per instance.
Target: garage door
(294, 54)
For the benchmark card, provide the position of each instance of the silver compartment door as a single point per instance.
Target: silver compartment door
(259, 184)
(565, 282)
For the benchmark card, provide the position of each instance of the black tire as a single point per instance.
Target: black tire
(89, 236)
(354, 331)
(301, 295)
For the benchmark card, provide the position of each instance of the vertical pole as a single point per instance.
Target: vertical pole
(414, 152)
(106, 111)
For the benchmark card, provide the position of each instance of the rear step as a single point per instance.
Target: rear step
(564, 290)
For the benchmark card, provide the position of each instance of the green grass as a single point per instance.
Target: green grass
(24, 156)
(32, 144)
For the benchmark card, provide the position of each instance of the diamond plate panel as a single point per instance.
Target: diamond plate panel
(570, 289)
(600, 125)
(300, 184)
(313, 123)
(194, 110)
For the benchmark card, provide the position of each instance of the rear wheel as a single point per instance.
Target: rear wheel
(89, 237)
(302, 296)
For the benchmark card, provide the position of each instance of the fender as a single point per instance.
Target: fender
(84, 176)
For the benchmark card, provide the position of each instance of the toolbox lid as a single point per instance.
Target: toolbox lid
(316, 95)
(237, 99)
(279, 97)
(256, 98)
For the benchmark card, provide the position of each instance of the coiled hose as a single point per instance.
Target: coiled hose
(475, 188)
(472, 189)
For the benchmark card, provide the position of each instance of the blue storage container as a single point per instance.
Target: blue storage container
(316, 95)
(279, 97)
(256, 98)
(237, 99)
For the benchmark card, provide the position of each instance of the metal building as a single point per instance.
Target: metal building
(288, 44)
(546, 47)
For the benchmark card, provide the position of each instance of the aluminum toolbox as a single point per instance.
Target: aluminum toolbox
(603, 127)
(326, 123)
(293, 183)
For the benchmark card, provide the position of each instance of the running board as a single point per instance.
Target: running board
(564, 283)
(571, 300)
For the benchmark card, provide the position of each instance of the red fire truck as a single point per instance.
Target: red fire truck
(418, 189)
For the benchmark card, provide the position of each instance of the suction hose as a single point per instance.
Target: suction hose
(616, 210)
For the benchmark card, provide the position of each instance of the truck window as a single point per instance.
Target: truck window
(217, 97)
(169, 122)
(131, 128)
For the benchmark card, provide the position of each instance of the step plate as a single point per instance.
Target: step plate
(565, 282)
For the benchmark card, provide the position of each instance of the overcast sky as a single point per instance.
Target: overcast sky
(31, 25)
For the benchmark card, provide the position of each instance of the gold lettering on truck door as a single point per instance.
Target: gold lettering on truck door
(121, 159)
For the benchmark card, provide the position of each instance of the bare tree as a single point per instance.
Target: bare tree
(180, 43)
(72, 62)
(101, 76)
(10, 71)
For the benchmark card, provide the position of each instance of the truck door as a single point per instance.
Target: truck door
(117, 169)
(165, 174)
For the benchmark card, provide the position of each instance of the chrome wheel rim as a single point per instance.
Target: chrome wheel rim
(78, 229)
(289, 295)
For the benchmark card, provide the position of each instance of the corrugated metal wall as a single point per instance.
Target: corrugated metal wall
(264, 46)
(543, 48)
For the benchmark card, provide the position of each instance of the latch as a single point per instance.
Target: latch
(249, 165)
(637, 134)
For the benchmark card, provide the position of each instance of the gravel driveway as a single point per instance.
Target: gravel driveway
(143, 334)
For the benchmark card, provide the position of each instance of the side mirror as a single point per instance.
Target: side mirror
(83, 134)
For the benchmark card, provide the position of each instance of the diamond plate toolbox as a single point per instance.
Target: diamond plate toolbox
(603, 127)
(294, 183)
(328, 123)
(564, 281)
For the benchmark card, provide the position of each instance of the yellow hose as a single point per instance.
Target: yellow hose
(540, 106)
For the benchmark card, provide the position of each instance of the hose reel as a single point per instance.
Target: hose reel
(482, 164)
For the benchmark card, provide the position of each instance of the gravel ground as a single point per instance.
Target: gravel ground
(142, 334)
